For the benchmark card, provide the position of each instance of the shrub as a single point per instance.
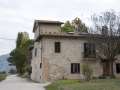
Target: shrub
(2, 77)
(25, 75)
(2, 72)
(102, 77)
(87, 72)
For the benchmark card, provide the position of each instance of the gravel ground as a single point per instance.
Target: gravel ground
(13, 82)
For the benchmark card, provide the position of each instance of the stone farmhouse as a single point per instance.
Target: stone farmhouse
(59, 55)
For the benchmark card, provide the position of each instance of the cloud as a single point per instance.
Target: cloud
(18, 15)
(10, 4)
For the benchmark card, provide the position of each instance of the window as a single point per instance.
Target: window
(40, 65)
(57, 47)
(89, 50)
(35, 51)
(75, 68)
(118, 68)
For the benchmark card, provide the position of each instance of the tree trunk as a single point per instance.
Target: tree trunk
(106, 68)
(111, 69)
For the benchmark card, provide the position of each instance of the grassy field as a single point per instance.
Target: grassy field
(2, 77)
(100, 84)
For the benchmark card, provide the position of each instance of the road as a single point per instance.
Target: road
(13, 82)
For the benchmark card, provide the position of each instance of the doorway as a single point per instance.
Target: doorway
(106, 68)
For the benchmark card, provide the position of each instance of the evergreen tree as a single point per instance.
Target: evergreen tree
(75, 25)
(67, 27)
(18, 56)
(78, 25)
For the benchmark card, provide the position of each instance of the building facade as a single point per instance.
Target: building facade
(59, 55)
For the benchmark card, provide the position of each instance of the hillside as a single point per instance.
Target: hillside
(4, 64)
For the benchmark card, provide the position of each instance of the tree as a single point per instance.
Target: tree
(75, 25)
(18, 56)
(67, 27)
(22, 38)
(87, 72)
(78, 25)
(107, 27)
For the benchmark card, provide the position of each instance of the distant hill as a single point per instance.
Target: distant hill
(4, 64)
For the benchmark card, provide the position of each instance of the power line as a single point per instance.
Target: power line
(3, 38)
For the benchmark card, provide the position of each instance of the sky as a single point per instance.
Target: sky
(19, 15)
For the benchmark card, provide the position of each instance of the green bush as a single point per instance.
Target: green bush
(28, 69)
(2, 72)
(25, 75)
(2, 77)
(87, 72)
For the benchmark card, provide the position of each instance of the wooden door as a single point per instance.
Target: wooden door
(106, 68)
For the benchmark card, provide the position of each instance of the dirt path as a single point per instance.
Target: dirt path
(14, 82)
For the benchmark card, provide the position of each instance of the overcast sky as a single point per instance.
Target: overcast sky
(18, 15)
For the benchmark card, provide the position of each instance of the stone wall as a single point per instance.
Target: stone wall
(46, 28)
(35, 63)
(59, 64)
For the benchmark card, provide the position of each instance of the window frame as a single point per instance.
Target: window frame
(40, 65)
(75, 68)
(57, 47)
(35, 53)
(118, 66)
(89, 50)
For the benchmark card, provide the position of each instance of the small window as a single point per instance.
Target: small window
(40, 65)
(35, 51)
(118, 68)
(57, 47)
(89, 50)
(75, 68)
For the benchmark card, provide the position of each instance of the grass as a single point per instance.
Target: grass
(2, 77)
(99, 84)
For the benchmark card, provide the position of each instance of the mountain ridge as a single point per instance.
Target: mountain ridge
(4, 64)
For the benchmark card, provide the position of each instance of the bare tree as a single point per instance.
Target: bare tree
(107, 26)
